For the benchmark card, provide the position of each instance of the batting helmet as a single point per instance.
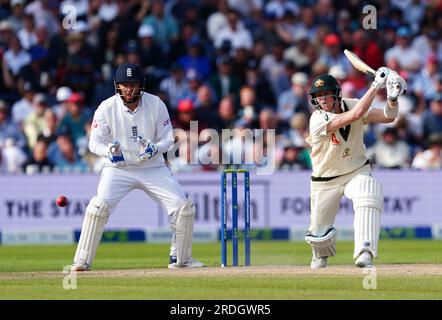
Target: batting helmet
(129, 73)
(324, 82)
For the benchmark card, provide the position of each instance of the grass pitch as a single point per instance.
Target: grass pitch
(406, 269)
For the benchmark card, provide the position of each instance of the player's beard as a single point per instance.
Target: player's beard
(132, 97)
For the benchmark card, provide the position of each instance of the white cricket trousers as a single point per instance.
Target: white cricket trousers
(157, 182)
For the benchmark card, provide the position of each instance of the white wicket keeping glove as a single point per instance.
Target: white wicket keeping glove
(147, 149)
(115, 155)
(380, 78)
(396, 85)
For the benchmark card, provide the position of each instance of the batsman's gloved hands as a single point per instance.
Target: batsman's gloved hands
(380, 78)
(147, 149)
(396, 85)
(115, 155)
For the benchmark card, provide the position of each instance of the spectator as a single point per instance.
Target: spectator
(225, 81)
(424, 84)
(227, 113)
(49, 133)
(248, 112)
(367, 49)
(23, 108)
(12, 157)
(150, 52)
(39, 161)
(234, 32)
(431, 158)
(206, 107)
(195, 58)
(217, 20)
(298, 131)
(256, 80)
(63, 155)
(406, 56)
(73, 123)
(295, 99)
(432, 118)
(195, 81)
(62, 95)
(273, 66)
(164, 25)
(302, 53)
(8, 129)
(27, 35)
(35, 123)
(175, 87)
(79, 65)
(333, 54)
(6, 34)
(15, 57)
(186, 114)
(390, 152)
(295, 157)
(17, 15)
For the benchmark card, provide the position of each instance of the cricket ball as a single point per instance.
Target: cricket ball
(61, 201)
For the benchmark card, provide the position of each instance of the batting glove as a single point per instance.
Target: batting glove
(380, 78)
(396, 85)
(115, 155)
(147, 150)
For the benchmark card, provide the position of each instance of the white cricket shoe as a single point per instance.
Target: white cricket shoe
(80, 267)
(191, 263)
(318, 263)
(364, 260)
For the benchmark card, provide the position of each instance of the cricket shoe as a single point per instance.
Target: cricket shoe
(80, 267)
(191, 263)
(318, 263)
(364, 260)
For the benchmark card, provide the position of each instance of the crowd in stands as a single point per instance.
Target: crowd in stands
(228, 64)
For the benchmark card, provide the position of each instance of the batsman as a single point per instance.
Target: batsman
(341, 168)
(131, 130)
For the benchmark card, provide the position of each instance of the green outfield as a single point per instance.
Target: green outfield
(406, 269)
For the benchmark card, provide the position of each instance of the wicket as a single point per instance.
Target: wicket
(223, 219)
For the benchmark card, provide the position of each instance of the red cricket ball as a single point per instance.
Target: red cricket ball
(61, 201)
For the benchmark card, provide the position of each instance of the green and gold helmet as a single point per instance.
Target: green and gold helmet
(324, 82)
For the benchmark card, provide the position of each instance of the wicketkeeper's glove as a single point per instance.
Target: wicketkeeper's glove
(147, 149)
(115, 155)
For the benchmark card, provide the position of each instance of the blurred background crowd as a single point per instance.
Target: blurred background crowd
(244, 64)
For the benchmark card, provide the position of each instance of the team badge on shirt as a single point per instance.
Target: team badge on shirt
(347, 152)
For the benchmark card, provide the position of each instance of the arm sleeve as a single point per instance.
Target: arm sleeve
(100, 134)
(318, 124)
(164, 134)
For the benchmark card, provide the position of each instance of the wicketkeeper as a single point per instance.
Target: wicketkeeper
(340, 166)
(132, 130)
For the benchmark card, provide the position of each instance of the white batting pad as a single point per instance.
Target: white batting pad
(367, 226)
(97, 215)
(368, 201)
(184, 232)
(323, 246)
